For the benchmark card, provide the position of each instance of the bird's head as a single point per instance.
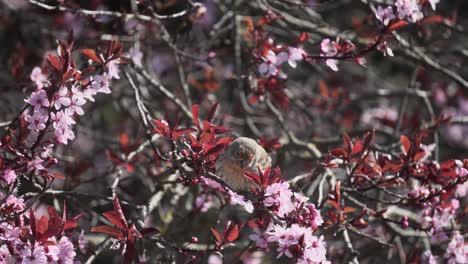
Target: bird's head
(243, 150)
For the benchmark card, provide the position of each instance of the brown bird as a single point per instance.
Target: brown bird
(243, 154)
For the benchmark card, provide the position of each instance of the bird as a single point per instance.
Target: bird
(243, 154)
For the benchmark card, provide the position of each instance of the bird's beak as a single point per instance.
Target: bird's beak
(243, 163)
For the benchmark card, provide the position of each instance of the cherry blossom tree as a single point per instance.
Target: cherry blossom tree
(114, 114)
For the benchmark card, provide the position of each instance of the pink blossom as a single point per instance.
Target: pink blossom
(82, 242)
(38, 120)
(385, 49)
(36, 164)
(215, 258)
(61, 98)
(314, 251)
(38, 99)
(428, 258)
(295, 55)
(136, 55)
(235, 198)
(9, 176)
(113, 69)
(259, 238)
(408, 9)
(285, 237)
(252, 257)
(38, 77)
(62, 118)
(62, 122)
(420, 193)
(33, 256)
(211, 183)
(77, 101)
(462, 190)
(203, 202)
(66, 252)
(5, 255)
(101, 84)
(457, 251)
(17, 204)
(63, 134)
(270, 66)
(278, 196)
(332, 64)
(9, 232)
(384, 15)
(330, 49)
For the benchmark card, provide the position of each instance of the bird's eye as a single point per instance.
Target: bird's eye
(236, 154)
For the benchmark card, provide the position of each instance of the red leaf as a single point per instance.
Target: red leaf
(55, 62)
(124, 140)
(357, 148)
(303, 37)
(114, 218)
(253, 177)
(348, 209)
(57, 176)
(42, 225)
(130, 252)
(419, 155)
(397, 25)
(120, 213)
(218, 237)
(32, 219)
(432, 19)
(115, 233)
(404, 140)
(338, 191)
(233, 233)
(70, 224)
(212, 112)
(91, 54)
(195, 110)
(54, 228)
(180, 132)
(346, 141)
(334, 204)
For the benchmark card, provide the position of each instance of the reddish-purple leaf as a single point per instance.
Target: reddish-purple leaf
(397, 25)
(57, 175)
(406, 143)
(120, 213)
(70, 224)
(55, 62)
(114, 218)
(32, 219)
(54, 228)
(233, 233)
(91, 54)
(115, 233)
(42, 225)
(212, 112)
(130, 252)
(218, 237)
(195, 110)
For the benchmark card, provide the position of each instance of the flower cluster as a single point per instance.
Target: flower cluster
(272, 62)
(63, 104)
(405, 9)
(332, 51)
(296, 219)
(41, 241)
